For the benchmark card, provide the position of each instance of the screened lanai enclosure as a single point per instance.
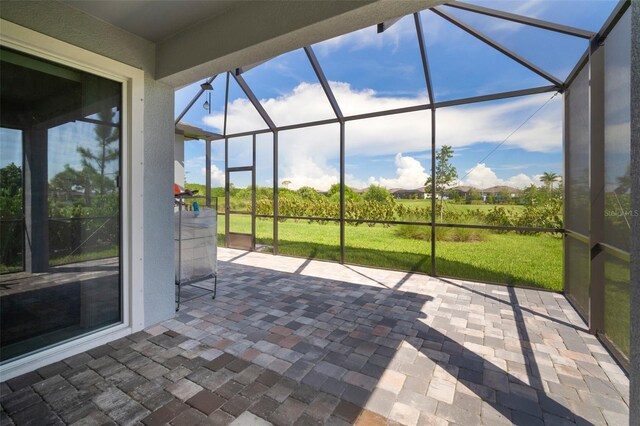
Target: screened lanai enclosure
(461, 141)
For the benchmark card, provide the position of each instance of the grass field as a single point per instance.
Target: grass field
(510, 258)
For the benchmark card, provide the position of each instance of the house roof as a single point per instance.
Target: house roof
(501, 188)
(462, 188)
(192, 132)
(405, 191)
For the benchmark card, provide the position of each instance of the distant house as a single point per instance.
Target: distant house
(497, 191)
(461, 190)
(500, 191)
(408, 194)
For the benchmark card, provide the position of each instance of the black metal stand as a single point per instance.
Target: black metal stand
(192, 283)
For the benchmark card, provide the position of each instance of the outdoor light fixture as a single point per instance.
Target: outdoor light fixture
(208, 87)
(207, 104)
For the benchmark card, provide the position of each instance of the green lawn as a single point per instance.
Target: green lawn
(510, 258)
(65, 260)
(92, 255)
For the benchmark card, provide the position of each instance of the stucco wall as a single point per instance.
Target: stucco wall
(635, 227)
(158, 202)
(72, 26)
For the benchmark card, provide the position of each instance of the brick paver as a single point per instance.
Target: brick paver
(283, 345)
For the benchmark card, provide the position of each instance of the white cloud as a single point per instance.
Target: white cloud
(217, 175)
(309, 156)
(457, 126)
(482, 176)
(354, 102)
(306, 103)
(242, 116)
(195, 169)
(495, 122)
(304, 170)
(410, 174)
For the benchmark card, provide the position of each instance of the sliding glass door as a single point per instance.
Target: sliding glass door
(60, 162)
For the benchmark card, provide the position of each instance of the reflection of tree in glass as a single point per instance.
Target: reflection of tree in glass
(11, 192)
(94, 179)
(95, 162)
(63, 184)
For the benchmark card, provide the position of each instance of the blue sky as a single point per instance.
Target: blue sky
(371, 72)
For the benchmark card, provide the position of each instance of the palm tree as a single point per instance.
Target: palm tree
(548, 178)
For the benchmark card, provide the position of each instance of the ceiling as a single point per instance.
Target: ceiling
(155, 20)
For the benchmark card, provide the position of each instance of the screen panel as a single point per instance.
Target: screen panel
(617, 305)
(309, 172)
(617, 136)
(387, 163)
(577, 265)
(577, 150)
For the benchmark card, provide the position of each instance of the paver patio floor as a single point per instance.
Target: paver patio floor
(291, 341)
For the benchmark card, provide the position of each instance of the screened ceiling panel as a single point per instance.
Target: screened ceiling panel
(459, 64)
(198, 115)
(288, 89)
(553, 52)
(579, 14)
(242, 116)
(373, 72)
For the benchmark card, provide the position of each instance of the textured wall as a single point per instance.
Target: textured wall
(158, 202)
(72, 26)
(635, 230)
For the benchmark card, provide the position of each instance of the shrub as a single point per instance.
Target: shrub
(349, 194)
(378, 194)
(309, 193)
(443, 234)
